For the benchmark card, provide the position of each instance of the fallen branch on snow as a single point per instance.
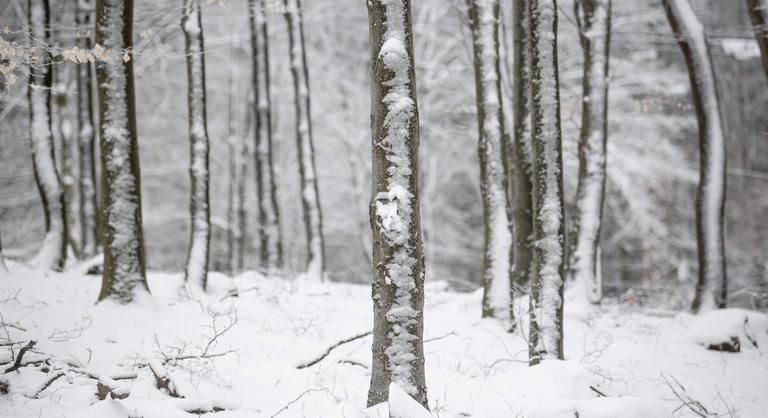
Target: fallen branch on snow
(320, 358)
(20, 356)
(685, 398)
(163, 380)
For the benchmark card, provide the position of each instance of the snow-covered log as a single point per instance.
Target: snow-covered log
(595, 20)
(196, 272)
(310, 197)
(492, 149)
(398, 253)
(711, 289)
(270, 244)
(52, 254)
(546, 332)
(124, 274)
(758, 14)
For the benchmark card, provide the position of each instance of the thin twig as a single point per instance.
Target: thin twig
(320, 358)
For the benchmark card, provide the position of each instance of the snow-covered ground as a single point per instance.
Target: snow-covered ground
(474, 368)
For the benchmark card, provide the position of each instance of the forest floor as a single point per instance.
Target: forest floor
(237, 356)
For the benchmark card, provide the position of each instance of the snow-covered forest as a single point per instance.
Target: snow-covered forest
(384, 208)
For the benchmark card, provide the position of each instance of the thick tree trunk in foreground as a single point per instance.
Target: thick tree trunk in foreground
(758, 14)
(520, 155)
(271, 247)
(594, 17)
(124, 275)
(53, 253)
(492, 149)
(398, 253)
(546, 333)
(711, 289)
(310, 197)
(86, 137)
(196, 273)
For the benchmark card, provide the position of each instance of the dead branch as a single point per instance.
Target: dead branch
(296, 399)
(163, 380)
(107, 386)
(429, 340)
(22, 351)
(34, 391)
(318, 359)
(685, 398)
(353, 363)
(600, 393)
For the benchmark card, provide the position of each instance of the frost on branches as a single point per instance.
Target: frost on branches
(398, 256)
(546, 334)
(484, 15)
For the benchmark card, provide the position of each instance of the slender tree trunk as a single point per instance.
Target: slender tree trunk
(124, 275)
(398, 253)
(548, 270)
(758, 14)
(70, 155)
(86, 138)
(196, 273)
(3, 267)
(53, 253)
(520, 155)
(492, 149)
(711, 289)
(594, 17)
(236, 193)
(313, 218)
(271, 247)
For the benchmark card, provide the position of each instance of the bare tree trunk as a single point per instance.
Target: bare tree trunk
(236, 194)
(70, 155)
(124, 275)
(492, 149)
(3, 267)
(711, 289)
(594, 17)
(758, 14)
(398, 253)
(548, 270)
(196, 272)
(313, 218)
(86, 136)
(53, 253)
(271, 247)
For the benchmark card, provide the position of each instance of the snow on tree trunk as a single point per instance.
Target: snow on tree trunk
(711, 289)
(398, 253)
(594, 17)
(520, 155)
(70, 155)
(124, 275)
(492, 149)
(196, 273)
(52, 254)
(238, 151)
(758, 14)
(271, 247)
(3, 267)
(86, 137)
(310, 197)
(546, 334)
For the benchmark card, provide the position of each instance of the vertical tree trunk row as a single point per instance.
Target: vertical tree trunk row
(758, 14)
(492, 149)
(124, 276)
(546, 336)
(53, 253)
(309, 189)
(594, 17)
(711, 289)
(398, 253)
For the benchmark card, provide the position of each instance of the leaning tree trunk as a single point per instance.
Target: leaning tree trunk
(310, 197)
(758, 14)
(271, 248)
(196, 273)
(546, 334)
(88, 204)
(711, 289)
(53, 253)
(520, 155)
(594, 17)
(398, 253)
(492, 149)
(124, 275)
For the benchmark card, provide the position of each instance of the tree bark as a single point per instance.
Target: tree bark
(196, 272)
(238, 151)
(3, 267)
(310, 196)
(492, 150)
(711, 289)
(546, 333)
(398, 253)
(758, 14)
(594, 17)
(124, 276)
(53, 253)
(271, 247)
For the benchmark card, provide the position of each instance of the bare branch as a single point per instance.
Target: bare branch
(325, 354)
